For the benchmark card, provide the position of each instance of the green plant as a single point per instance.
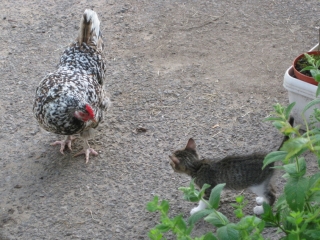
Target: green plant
(298, 208)
(297, 211)
(313, 64)
(248, 227)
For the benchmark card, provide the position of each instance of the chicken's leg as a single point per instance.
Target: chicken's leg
(67, 141)
(86, 147)
(86, 150)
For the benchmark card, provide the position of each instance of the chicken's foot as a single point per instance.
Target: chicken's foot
(66, 142)
(87, 150)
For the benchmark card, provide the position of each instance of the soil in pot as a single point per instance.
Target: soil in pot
(301, 62)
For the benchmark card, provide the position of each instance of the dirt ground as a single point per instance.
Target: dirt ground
(176, 68)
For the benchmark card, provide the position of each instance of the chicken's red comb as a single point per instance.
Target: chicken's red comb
(90, 111)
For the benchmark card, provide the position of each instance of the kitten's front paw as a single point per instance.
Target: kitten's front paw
(258, 210)
(194, 210)
(259, 200)
(202, 205)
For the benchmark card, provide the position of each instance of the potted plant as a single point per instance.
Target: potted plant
(301, 91)
(306, 66)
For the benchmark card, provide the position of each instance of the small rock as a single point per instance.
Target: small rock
(141, 129)
(10, 211)
(20, 210)
(117, 93)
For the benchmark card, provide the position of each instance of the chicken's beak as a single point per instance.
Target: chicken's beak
(93, 120)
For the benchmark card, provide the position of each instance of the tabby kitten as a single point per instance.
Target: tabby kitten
(238, 172)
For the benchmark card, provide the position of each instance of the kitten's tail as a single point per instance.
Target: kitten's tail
(291, 121)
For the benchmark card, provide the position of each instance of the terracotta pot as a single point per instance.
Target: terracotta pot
(300, 75)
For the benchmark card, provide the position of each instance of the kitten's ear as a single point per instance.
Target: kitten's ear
(174, 159)
(191, 144)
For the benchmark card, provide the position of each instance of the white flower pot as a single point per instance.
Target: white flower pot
(301, 93)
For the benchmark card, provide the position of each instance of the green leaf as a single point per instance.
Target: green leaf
(314, 180)
(292, 236)
(190, 193)
(163, 228)
(281, 201)
(203, 189)
(153, 205)
(228, 233)
(314, 73)
(182, 237)
(198, 215)
(311, 60)
(315, 139)
(278, 108)
(189, 230)
(155, 234)
(297, 216)
(297, 169)
(247, 223)
(312, 234)
(306, 68)
(288, 109)
(239, 199)
(279, 124)
(278, 167)
(273, 119)
(190, 188)
(314, 188)
(217, 219)
(311, 132)
(267, 214)
(180, 223)
(214, 199)
(165, 206)
(290, 168)
(261, 225)
(274, 156)
(301, 167)
(295, 191)
(238, 212)
(295, 146)
(209, 236)
(310, 104)
(315, 197)
(291, 220)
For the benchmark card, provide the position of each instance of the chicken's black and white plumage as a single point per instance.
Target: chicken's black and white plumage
(72, 99)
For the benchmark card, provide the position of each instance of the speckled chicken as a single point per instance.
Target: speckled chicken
(72, 99)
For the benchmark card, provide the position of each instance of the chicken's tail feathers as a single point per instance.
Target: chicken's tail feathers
(90, 30)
